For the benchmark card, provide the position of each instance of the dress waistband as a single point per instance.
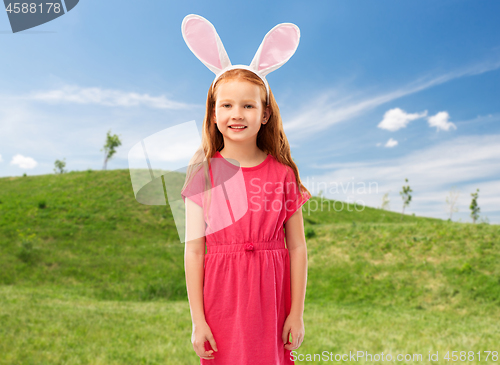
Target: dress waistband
(245, 246)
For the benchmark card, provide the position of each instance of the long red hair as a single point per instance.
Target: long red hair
(271, 137)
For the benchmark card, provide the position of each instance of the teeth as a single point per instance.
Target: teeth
(237, 127)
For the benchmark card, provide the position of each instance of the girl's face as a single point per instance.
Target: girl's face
(238, 103)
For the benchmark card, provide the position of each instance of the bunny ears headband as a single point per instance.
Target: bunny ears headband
(278, 46)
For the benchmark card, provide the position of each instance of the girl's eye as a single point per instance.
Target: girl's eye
(228, 105)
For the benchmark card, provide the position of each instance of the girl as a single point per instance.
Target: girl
(246, 288)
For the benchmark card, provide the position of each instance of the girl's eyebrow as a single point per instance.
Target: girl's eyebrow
(231, 100)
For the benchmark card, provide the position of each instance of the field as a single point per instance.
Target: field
(90, 276)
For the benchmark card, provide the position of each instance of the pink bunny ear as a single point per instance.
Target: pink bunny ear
(278, 46)
(202, 39)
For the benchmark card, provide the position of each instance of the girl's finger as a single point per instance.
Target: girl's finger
(204, 354)
(299, 341)
(208, 355)
(285, 336)
(212, 342)
(201, 352)
(295, 340)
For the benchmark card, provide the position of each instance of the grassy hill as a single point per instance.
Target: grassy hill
(81, 240)
(86, 231)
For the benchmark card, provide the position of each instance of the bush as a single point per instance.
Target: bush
(27, 253)
(310, 232)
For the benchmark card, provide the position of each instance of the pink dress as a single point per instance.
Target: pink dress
(247, 291)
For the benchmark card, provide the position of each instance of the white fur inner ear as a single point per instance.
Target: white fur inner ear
(202, 39)
(278, 46)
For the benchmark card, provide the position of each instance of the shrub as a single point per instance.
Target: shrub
(310, 232)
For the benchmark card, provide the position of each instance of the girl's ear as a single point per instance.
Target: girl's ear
(267, 113)
(202, 39)
(278, 46)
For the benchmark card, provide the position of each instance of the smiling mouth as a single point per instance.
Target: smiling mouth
(242, 127)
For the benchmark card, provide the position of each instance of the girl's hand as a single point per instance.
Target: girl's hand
(294, 325)
(202, 333)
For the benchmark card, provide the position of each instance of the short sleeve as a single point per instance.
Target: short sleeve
(293, 199)
(195, 188)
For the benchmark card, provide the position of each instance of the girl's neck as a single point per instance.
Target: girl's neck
(247, 157)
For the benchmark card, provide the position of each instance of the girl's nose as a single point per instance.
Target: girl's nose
(237, 113)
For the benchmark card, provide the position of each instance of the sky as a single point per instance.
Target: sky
(377, 92)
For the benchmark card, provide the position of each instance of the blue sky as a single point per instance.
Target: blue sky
(377, 91)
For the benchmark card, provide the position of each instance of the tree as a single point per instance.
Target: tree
(405, 194)
(474, 208)
(60, 166)
(451, 201)
(112, 141)
(385, 202)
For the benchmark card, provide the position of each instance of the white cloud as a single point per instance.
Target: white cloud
(467, 162)
(76, 132)
(391, 143)
(397, 118)
(335, 106)
(440, 121)
(107, 97)
(1, 158)
(23, 162)
(490, 118)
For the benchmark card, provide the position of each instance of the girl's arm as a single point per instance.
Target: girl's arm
(296, 244)
(194, 258)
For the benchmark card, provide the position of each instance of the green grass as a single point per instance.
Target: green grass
(92, 237)
(423, 265)
(90, 276)
(44, 326)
